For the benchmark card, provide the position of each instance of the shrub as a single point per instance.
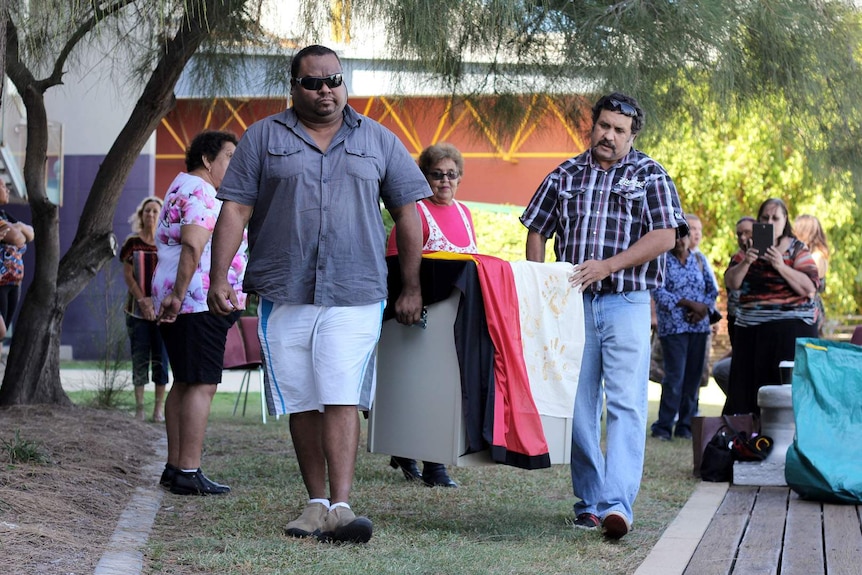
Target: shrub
(23, 451)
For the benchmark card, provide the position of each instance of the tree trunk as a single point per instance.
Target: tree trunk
(41, 316)
(36, 362)
(33, 368)
(4, 5)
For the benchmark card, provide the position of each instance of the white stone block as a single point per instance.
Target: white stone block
(777, 422)
(764, 472)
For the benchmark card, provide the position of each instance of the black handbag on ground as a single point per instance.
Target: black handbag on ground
(717, 461)
(729, 445)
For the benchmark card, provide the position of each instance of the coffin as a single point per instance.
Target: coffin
(425, 397)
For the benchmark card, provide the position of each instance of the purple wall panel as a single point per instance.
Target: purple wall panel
(94, 322)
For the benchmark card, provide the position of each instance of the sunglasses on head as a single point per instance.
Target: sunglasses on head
(438, 175)
(623, 108)
(313, 83)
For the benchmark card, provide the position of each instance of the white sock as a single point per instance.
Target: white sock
(189, 470)
(339, 504)
(323, 501)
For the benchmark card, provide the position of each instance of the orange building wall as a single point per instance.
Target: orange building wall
(497, 170)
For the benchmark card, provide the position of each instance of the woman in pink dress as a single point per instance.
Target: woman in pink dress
(447, 226)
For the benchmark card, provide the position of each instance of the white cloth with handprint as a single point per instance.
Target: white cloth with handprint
(552, 333)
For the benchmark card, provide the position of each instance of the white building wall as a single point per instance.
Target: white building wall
(93, 106)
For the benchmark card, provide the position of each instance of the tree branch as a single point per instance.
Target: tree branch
(91, 243)
(99, 14)
(15, 69)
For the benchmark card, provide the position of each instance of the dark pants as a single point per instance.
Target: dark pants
(757, 351)
(684, 355)
(9, 296)
(148, 350)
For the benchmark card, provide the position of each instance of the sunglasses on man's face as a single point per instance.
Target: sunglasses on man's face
(623, 108)
(313, 83)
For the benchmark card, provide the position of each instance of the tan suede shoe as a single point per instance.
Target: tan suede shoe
(342, 525)
(309, 523)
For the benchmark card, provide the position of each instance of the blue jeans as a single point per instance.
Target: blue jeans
(148, 350)
(683, 366)
(615, 368)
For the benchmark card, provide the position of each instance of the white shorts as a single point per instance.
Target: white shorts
(316, 356)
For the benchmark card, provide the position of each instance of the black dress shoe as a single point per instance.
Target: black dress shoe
(434, 475)
(196, 483)
(408, 467)
(167, 477)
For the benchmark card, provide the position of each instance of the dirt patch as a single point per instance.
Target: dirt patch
(56, 517)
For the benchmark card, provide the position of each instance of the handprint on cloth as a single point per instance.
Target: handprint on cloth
(552, 333)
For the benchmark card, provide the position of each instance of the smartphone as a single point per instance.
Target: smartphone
(762, 237)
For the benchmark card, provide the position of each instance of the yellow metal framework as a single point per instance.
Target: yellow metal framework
(400, 116)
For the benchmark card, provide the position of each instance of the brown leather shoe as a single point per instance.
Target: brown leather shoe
(615, 525)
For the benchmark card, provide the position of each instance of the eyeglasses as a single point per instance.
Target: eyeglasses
(314, 84)
(624, 108)
(438, 175)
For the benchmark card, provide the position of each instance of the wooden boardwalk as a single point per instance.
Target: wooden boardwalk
(770, 531)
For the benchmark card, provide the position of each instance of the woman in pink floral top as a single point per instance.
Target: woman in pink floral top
(195, 338)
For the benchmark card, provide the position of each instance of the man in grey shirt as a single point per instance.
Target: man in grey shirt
(308, 183)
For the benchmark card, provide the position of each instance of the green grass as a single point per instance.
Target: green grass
(20, 450)
(124, 400)
(93, 364)
(501, 521)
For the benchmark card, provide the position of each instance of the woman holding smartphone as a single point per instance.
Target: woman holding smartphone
(776, 306)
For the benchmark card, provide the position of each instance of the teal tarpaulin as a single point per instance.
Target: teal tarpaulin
(824, 463)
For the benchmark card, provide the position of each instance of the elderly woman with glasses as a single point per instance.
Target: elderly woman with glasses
(447, 226)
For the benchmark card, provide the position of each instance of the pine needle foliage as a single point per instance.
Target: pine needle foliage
(741, 54)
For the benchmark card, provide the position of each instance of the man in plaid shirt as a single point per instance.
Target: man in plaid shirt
(613, 212)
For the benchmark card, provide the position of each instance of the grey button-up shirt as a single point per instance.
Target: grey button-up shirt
(316, 235)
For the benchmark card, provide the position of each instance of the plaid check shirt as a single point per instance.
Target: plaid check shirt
(594, 214)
